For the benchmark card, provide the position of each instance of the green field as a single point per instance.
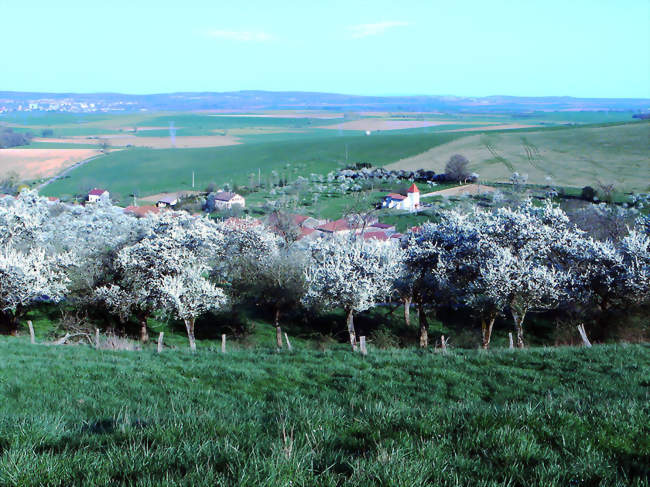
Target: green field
(578, 156)
(541, 417)
(148, 171)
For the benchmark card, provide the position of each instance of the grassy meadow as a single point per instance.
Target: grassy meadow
(551, 417)
(577, 156)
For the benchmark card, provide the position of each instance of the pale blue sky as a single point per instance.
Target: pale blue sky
(587, 48)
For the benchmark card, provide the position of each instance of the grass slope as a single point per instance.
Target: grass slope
(147, 171)
(571, 157)
(565, 416)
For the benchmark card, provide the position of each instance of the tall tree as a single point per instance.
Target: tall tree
(350, 273)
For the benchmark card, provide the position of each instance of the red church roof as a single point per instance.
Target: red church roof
(413, 189)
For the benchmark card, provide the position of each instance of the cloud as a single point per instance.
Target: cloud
(366, 30)
(240, 35)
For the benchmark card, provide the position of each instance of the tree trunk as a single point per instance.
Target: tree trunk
(144, 334)
(519, 327)
(424, 327)
(278, 330)
(486, 330)
(351, 330)
(189, 325)
(407, 311)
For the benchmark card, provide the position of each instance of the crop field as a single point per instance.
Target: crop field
(551, 417)
(41, 162)
(581, 156)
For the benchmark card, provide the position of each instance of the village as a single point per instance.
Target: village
(298, 225)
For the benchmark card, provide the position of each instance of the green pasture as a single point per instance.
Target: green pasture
(540, 417)
(566, 157)
(149, 171)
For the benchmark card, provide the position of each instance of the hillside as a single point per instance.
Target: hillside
(569, 157)
(561, 416)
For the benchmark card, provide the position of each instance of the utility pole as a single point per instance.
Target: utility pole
(259, 176)
(134, 202)
(192, 179)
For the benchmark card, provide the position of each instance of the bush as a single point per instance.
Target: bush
(457, 168)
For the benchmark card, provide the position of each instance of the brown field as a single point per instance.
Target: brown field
(470, 189)
(506, 126)
(38, 163)
(373, 124)
(183, 142)
(283, 114)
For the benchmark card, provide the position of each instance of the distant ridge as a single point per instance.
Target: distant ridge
(297, 100)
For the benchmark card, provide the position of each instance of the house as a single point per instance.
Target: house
(227, 199)
(142, 211)
(96, 194)
(345, 225)
(410, 202)
(166, 201)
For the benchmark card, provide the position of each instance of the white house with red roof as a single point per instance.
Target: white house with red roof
(96, 194)
(410, 202)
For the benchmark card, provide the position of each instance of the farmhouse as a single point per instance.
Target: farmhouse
(96, 194)
(410, 202)
(227, 199)
(167, 201)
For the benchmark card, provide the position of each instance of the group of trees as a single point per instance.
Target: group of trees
(9, 138)
(486, 263)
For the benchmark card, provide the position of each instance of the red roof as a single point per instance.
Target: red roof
(96, 192)
(385, 226)
(141, 211)
(413, 189)
(375, 235)
(304, 231)
(336, 226)
(52, 198)
(397, 235)
(396, 196)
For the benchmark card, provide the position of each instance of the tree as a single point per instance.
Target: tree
(31, 271)
(520, 269)
(346, 272)
(523, 284)
(172, 243)
(457, 168)
(189, 294)
(263, 267)
(441, 259)
(27, 278)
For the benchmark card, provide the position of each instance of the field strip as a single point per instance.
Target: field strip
(471, 189)
(67, 170)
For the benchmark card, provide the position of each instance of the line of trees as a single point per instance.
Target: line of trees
(508, 261)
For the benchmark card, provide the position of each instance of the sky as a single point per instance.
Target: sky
(582, 48)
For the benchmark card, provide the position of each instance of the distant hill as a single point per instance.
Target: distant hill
(290, 100)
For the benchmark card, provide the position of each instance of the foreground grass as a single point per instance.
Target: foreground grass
(73, 416)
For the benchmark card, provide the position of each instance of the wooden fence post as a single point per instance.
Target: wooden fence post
(512, 345)
(583, 335)
(160, 341)
(31, 332)
(286, 337)
(362, 345)
(223, 343)
(97, 338)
